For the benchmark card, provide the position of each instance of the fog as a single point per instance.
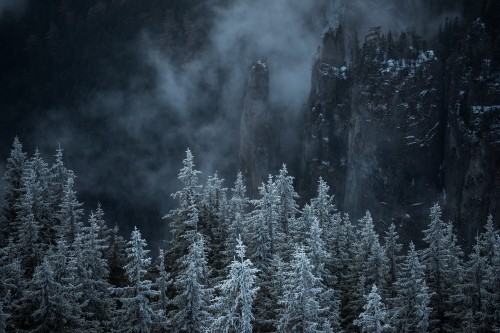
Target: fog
(126, 146)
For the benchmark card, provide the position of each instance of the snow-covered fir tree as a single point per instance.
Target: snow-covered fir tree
(443, 268)
(14, 168)
(54, 296)
(233, 305)
(38, 177)
(70, 212)
(213, 223)
(163, 282)
(392, 250)
(184, 219)
(237, 217)
(136, 314)
(27, 243)
(287, 207)
(192, 302)
(58, 179)
(301, 307)
(411, 309)
(374, 317)
(95, 286)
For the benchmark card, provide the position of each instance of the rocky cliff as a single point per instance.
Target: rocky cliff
(259, 131)
(397, 127)
(472, 149)
(404, 126)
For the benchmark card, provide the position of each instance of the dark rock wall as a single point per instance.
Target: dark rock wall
(324, 150)
(259, 131)
(404, 127)
(472, 154)
(397, 128)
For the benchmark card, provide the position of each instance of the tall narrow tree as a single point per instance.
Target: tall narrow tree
(237, 292)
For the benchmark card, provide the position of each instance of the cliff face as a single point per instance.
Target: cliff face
(472, 154)
(398, 128)
(402, 128)
(395, 137)
(259, 132)
(324, 149)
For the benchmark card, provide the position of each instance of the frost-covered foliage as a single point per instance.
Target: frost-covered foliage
(233, 264)
(233, 306)
(374, 317)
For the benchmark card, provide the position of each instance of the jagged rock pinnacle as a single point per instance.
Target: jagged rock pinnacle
(258, 133)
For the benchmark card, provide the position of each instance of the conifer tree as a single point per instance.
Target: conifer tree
(37, 171)
(117, 259)
(370, 265)
(392, 250)
(371, 257)
(162, 284)
(12, 286)
(70, 212)
(54, 294)
(16, 164)
(471, 292)
(443, 269)
(137, 314)
(492, 288)
(184, 219)
(94, 267)
(301, 308)
(27, 246)
(411, 304)
(322, 205)
(192, 302)
(213, 223)
(374, 317)
(237, 218)
(287, 207)
(237, 292)
(264, 220)
(266, 239)
(58, 179)
(316, 250)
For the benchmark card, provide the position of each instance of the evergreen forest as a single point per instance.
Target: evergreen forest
(232, 264)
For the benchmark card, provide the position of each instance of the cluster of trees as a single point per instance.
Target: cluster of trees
(233, 264)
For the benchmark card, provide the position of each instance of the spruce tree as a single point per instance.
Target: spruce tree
(192, 302)
(54, 294)
(28, 244)
(374, 317)
(184, 219)
(70, 212)
(16, 164)
(163, 282)
(37, 171)
(411, 309)
(213, 223)
(392, 250)
(237, 218)
(287, 207)
(233, 306)
(443, 268)
(301, 308)
(95, 286)
(136, 313)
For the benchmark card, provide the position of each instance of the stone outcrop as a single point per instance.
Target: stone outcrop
(396, 129)
(324, 149)
(259, 132)
(472, 150)
(400, 129)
